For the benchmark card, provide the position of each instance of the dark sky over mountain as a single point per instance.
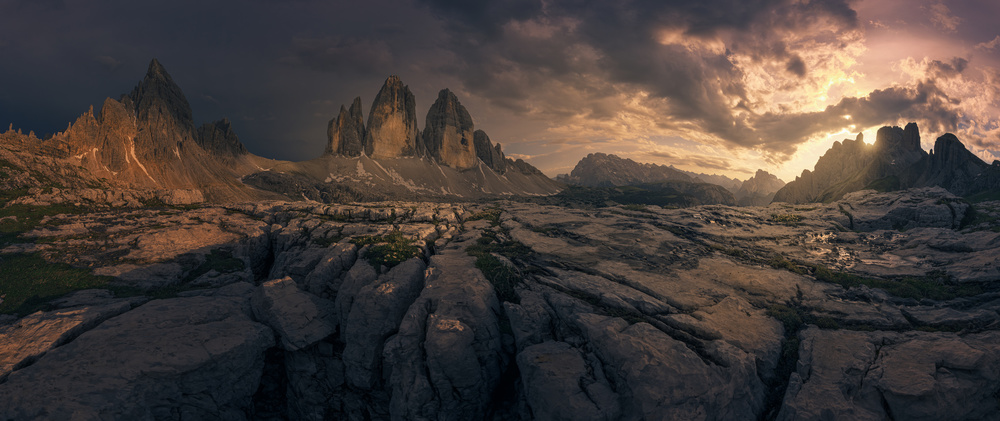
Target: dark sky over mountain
(719, 86)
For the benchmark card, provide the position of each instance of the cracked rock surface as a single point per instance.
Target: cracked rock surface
(878, 306)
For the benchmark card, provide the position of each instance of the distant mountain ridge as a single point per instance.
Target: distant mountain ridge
(147, 140)
(731, 184)
(600, 170)
(604, 170)
(758, 190)
(391, 158)
(895, 161)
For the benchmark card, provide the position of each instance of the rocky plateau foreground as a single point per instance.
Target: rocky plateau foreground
(877, 306)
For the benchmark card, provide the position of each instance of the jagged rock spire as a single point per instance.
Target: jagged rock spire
(346, 132)
(391, 131)
(448, 133)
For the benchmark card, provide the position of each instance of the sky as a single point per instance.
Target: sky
(714, 86)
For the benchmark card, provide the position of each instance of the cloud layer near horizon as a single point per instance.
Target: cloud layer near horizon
(717, 86)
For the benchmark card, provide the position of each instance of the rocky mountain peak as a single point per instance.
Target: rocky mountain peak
(346, 132)
(759, 189)
(448, 132)
(604, 170)
(158, 94)
(763, 182)
(899, 147)
(392, 122)
(219, 139)
(492, 156)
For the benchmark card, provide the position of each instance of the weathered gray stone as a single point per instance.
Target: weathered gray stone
(376, 311)
(453, 373)
(881, 375)
(328, 273)
(196, 357)
(659, 377)
(23, 342)
(315, 383)
(559, 386)
(299, 318)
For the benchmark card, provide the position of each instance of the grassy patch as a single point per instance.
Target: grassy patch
(17, 219)
(488, 214)
(980, 218)
(28, 282)
(849, 215)
(387, 250)
(730, 251)
(935, 285)
(502, 275)
(935, 288)
(779, 262)
(786, 218)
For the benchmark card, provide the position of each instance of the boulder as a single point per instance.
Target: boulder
(889, 375)
(913, 208)
(447, 359)
(659, 377)
(376, 311)
(180, 358)
(300, 319)
(560, 386)
(24, 341)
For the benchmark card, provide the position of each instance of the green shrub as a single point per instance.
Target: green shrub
(502, 275)
(788, 316)
(935, 285)
(18, 219)
(489, 214)
(786, 218)
(388, 250)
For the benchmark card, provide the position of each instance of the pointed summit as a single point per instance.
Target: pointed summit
(156, 70)
(157, 94)
(346, 133)
(448, 132)
(491, 155)
(392, 122)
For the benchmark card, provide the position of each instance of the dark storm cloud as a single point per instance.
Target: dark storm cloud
(942, 70)
(796, 66)
(337, 55)
(482, 16)
(602, 44)
(261, 63)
